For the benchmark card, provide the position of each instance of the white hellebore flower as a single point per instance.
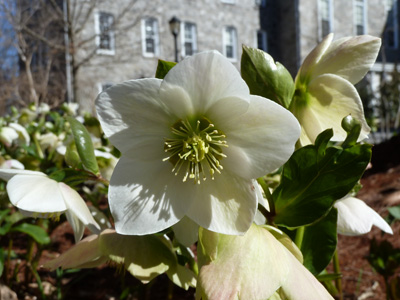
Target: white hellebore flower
(325, 91)
(191, 145)
(356, 218)
(37, 195)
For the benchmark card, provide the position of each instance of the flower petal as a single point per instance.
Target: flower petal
(226, 204)
(77, 226)
(249, 267)
(146, 197)
(35, 194)
(7, 174)
(186, 231)
(331, 98)
(77, 206)
(350, 58)
(306, 69)
(132, 112)
(260, 140)
(300, 284)
(206, 77)
(85, 254)
(356, 218)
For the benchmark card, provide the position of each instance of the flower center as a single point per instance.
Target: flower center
(196, 146)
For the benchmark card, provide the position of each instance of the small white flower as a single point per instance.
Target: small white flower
(324, 86)
(23, 135)
(37, 195)
(356, 218)
(191, 145)
(8, 135)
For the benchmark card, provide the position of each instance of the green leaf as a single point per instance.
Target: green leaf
(265, 77)
(319, 243)
(36, 232)
(316, 176)
(71, 156)
(395, 211)
(84, 145)
(163, 68)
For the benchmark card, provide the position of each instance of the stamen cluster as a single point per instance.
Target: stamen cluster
(196, 145)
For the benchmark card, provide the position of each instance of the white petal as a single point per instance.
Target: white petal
(248, 267)
(331, 98)
(132, 111)
(77, 206)
(206, 77)
(186, 231)
(260, 140)
(356, 218)
(350, 58)
(8, 135)
(306, 69)
(77, 226)
(23, 134)
(146, 197)
(300, 284)
(7, 174)
(36, 194)
(226, 204)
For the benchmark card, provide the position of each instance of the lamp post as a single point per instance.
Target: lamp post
(175, 26)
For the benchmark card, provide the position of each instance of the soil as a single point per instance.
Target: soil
(381, 189)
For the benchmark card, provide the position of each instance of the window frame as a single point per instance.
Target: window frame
(363, 5)
(321, 19)
(184, 40)
(155, 37)
(264, 40)
(234, 42)
(98, 34)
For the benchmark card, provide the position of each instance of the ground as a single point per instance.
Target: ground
(381, 189)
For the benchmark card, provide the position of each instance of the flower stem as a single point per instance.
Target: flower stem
(299, 236)
(336, 267)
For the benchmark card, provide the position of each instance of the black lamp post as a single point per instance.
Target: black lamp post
(175, 26)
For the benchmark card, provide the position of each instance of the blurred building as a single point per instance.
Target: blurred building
(127, 43)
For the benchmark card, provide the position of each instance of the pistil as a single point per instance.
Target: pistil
(197, 147)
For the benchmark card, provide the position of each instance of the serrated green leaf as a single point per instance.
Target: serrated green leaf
(319, 243)
(163, 68)
(314, 177)
(84, 145)
(265, 77)
(36, 232)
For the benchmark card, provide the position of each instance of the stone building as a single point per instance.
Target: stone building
(126, 42)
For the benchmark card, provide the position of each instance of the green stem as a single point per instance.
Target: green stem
(336, 267)
(37, 145)
(299, 237)
(268, 195)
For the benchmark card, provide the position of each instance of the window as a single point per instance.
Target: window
(391, 30)
(150, 39)
(105, 41)
(325, 13)
(230, 42)
(189, 38)
(262, 40)
(261, 3)
(360, 17)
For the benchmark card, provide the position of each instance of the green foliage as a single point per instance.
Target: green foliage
(395, 211)
(163, 68)
(316, 176)
(84, 145)
(36, 232)
(319, 243)
(265, 77)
